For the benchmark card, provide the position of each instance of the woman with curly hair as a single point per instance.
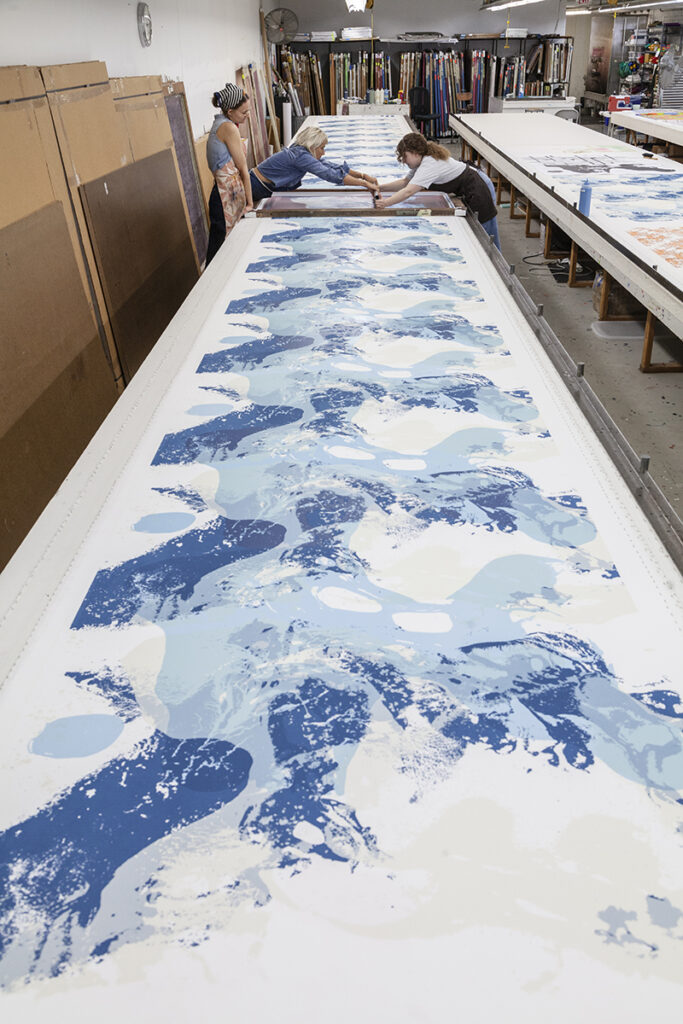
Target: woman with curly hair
(430, 166)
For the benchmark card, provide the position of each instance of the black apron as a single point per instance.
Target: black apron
(474, 192)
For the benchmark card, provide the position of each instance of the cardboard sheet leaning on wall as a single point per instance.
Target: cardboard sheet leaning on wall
(57, 364)
(68, 349)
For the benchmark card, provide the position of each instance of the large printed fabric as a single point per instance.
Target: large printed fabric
(353, 644)
(368, 144)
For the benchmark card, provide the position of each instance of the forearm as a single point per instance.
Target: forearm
(393, 186)
(351, 179)
(236, 150)
(398, 197)
(246, 181)
(363, 176)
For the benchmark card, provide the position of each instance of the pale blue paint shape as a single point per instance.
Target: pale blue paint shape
(164, 522)
(77, 736)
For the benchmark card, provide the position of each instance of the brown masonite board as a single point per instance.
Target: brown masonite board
(146, 261)
(141, 102)
(181, 129)
(56, 385)
(92, 142)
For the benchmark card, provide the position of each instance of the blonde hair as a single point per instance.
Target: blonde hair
(310, 138)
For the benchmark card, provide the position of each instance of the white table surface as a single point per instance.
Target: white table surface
(637, 202)
(547, 104)
(666, 125)
(345, 108)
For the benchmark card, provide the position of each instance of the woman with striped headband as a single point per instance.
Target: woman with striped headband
(231, 193)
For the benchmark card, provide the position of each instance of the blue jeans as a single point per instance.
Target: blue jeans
(490, 226)
(258, 190)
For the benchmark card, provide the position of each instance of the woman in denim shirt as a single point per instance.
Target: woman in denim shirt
(284, 171)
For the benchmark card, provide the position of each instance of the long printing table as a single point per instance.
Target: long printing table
(663, 124)
(635, 227)
(342, 675)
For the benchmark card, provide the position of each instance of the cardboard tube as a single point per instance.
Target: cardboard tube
(286, 123)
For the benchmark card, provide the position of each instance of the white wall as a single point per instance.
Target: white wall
(199, 42)
(446, 16)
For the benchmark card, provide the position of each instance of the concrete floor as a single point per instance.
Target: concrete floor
(648, 408)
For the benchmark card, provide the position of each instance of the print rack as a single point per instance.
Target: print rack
(354, 203)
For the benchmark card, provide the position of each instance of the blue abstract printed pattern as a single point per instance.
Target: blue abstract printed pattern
(367, 144)
(639, 200)
(380, 561)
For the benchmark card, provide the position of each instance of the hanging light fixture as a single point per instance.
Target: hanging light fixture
(355, 5)
(623, 8)
(502, 5)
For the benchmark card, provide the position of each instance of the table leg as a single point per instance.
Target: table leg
(527, 226)
(646, 364)
(604, 295)
(573, 260)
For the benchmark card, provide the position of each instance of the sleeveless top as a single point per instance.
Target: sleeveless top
(217, 153)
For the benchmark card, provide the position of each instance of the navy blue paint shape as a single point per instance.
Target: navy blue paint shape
(115, 689)
(275, 264)
(305, 726)
(223, 434)
(59, 860)
(327, 508)
(664, 702)
(324, 550)
(315, 716)
(190, 497)
(265, 301)
(252, 353)
(172, 570)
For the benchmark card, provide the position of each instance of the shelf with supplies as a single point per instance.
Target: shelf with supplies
(474, 69)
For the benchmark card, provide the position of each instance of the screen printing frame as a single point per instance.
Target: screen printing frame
(440, 205)
(663, 298)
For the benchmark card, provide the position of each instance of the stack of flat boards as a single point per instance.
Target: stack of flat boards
(250, 80)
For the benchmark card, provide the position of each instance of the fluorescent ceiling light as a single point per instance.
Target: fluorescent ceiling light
(355, 5)
(625, 8)
(508, 3)
(628, 9)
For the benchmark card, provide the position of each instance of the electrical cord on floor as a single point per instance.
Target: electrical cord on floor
(559, 264)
